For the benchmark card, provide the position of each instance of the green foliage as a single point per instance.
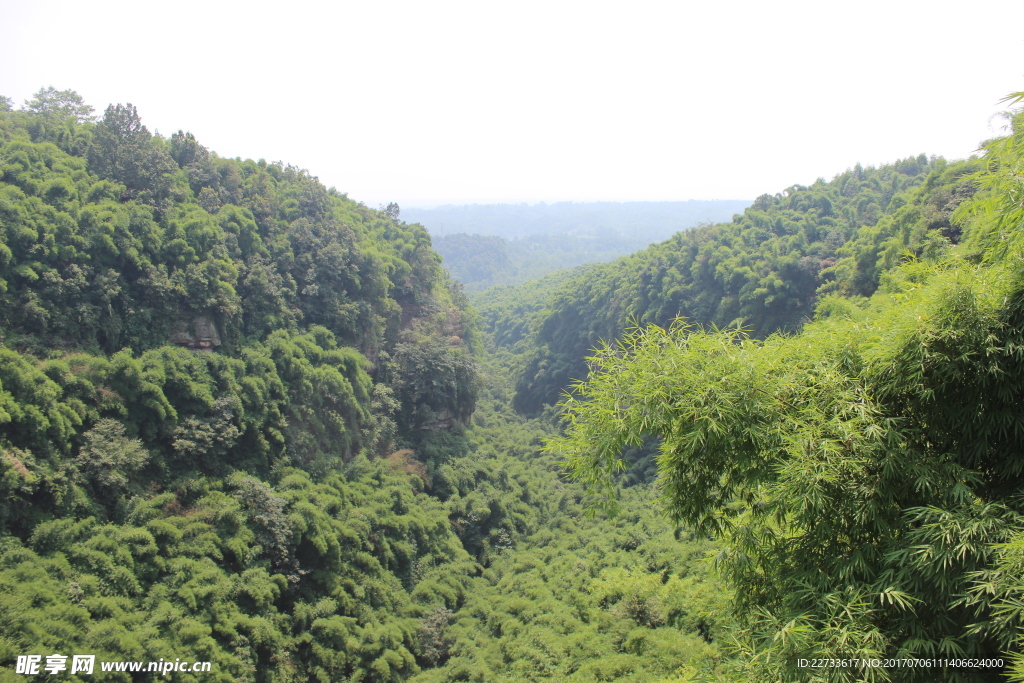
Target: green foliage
(123, 151)
(201, 572)
(922, 226)
(127, 246)
(590, 600)
(864, 473)
(158, 500)
(108, 458)
(480, 262)
(338, 488)
(59, 103)
(541, 611)
(475, 260)
(762, 272)
(509, 313)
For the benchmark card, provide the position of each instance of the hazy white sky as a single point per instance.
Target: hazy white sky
(426, 103)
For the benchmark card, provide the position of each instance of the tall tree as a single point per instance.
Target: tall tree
(123, 150)
(62, 103)
(185, 149)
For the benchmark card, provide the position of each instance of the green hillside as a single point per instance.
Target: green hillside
(866, 473)
(249, 421)
(243, 421)
(202, 360)
(764, 272)
(480, 262)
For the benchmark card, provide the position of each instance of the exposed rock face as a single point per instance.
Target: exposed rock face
(199, 334)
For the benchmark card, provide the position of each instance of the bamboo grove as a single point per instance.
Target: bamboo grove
(250, 420)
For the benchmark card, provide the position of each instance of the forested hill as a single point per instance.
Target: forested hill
(194, 349)
(866, 473)
(248, 421)
(499, 244)
(763, 272)
(481, 261)
(116, 239)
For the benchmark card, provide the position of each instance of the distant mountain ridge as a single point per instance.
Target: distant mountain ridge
(764, 270)
(485, 245)
(642, 220)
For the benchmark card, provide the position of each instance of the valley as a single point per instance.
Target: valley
(248, 420)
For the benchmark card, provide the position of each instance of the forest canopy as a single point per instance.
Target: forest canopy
(763, 272)
(204, 362)
(864, 474)
(247, 420)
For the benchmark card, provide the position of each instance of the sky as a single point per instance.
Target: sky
(428, 103)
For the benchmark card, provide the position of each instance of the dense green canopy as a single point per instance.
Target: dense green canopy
(865, 474)
(763, 272)
(247, 420)
(199, 355)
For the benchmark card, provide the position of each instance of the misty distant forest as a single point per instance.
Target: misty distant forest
(484, 245)
(246, 419)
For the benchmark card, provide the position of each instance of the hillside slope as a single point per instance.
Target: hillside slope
(867, 473)
(201, 359)
(763, 272)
